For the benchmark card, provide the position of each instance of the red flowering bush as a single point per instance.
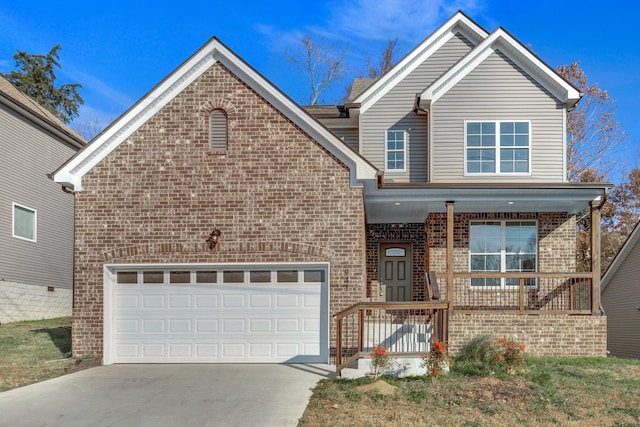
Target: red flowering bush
(437, 360)
(509, 354)
(380, 361)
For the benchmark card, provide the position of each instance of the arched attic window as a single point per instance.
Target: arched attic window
(218, 126)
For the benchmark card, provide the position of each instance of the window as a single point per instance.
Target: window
(497, 147)
(218, 131)
(24, 222)
(502, 246)
(395, 149)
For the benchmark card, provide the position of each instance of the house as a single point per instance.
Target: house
(36, 220)
(620, 289)
(218, 221)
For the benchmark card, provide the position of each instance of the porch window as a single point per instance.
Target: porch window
(502, 246)
(497, 147)
(396, 150)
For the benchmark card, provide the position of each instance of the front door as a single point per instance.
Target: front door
(395, 270)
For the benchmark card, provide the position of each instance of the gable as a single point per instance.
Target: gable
(457, 24)
(71, 173)
(502, 41)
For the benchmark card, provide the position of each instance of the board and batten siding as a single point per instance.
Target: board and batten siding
(395, 111)
(28, 154)
(620, 299)
(497, 89)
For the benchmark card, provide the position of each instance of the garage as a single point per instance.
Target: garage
(216, 313)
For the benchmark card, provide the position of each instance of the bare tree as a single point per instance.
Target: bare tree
(89, 127)
(594, 133)
(386, 62)
(321, 64)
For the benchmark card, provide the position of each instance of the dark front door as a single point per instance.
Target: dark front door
(395, 270)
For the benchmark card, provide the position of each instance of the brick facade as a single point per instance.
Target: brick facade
(544, 334)
(397, 233)
(275, 194)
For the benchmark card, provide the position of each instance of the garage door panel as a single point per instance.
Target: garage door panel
(153, 301)
(233, 326)
(220, 322)
(180, 301)
(204, 301)
(204, 326)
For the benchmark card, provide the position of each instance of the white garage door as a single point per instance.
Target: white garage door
(216, 313)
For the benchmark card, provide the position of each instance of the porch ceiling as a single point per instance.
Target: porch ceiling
(404, 203)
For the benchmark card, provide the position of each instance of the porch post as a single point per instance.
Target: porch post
(595, 257)
(449, 205)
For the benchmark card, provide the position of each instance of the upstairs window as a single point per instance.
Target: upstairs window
(395, 149)
(218, 131)
(24, 222)
(498, 147)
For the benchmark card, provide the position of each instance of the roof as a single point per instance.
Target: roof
(359, 85)
(24, 105)
(621, 256)
(70, 174)
(459, 22)
(501, 40)
(325, 111)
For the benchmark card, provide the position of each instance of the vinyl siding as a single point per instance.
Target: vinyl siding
(619, 300)
(497, 89)
(28, 155)
(349, 136)
(395, 111)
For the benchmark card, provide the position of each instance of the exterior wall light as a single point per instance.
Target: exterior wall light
(212, 241)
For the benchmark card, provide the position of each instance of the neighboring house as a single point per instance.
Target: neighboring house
(216, 220)
(36, 217)
(620, 289)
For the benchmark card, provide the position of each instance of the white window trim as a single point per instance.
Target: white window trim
(13, 222)
(497, 148)
(503, 252)
(404, 152)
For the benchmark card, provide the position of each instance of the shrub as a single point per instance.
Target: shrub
(437, 360)
(485, 355)
(380, 361)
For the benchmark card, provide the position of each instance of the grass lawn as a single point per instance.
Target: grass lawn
(544, 392)
(34, 351)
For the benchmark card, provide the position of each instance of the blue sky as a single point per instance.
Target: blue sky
(119, 50)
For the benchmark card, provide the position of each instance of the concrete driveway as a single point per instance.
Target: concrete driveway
(167, 395)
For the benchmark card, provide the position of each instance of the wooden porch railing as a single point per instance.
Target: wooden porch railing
(568, 293)
(403, 328)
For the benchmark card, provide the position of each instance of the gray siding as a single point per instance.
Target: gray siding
(349, 136)
(27, 155)
(497, 90)
(394, 111)
(619, 300)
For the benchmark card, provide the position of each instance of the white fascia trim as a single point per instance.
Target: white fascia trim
(416, 57)
(500, 40)
(71, 174)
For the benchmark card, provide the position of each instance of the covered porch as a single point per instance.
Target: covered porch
(499, 257)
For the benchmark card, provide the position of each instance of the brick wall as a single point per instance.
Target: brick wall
(544, 335)
(411, 233)
(275, 194)
(19, 301)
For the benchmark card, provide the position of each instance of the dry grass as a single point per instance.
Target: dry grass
(546, 392)
(34, 351)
